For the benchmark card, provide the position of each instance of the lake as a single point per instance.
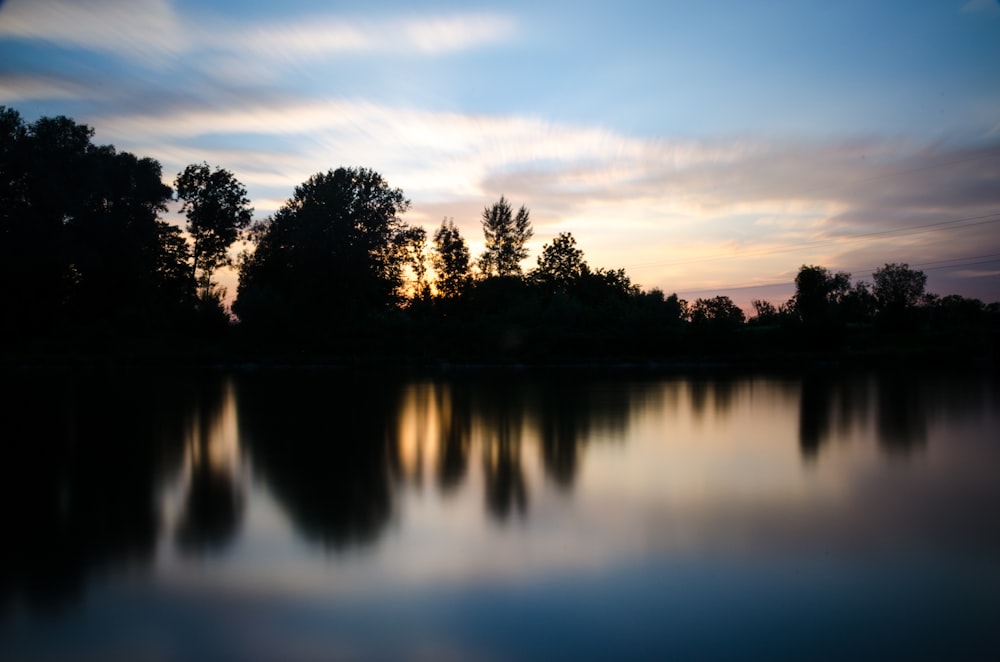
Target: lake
(505, 514)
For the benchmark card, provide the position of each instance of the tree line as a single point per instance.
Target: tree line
(88, 263)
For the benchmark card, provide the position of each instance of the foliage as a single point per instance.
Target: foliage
(505, 235)
(82, 239)
(217, 210)
(717, 313)
(818, 293)
(335, 252)
(560, 265)
(84, 254)
(415, 247)
(897, 289)
(450, 260)
(767, 314)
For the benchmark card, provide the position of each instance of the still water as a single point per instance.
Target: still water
(499, 515)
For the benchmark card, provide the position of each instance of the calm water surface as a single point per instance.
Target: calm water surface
(508, 515)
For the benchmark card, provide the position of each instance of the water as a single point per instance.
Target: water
(500, 515)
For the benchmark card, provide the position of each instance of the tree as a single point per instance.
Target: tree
(217, 210)
(506, 235)
(718, 313)
(43, 179)
(897, 289)
(818, 293)
(414, 244)
(116, 250)
(82, 242)
(334, 251)
(561, 264)
(858, 303)
(450, 260)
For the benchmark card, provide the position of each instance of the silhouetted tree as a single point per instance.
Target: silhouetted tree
(506, 235)
(956, 311)
(116, 252)
(897, 291)
(767, 314)
(334, 251)
(450, 260)
(82, 239)
(414, 243)
(43, 179)
(719, 313)
(217, 210)
(560, 265)
(858, 303)
(818, 293)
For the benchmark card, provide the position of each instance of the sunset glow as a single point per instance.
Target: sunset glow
(704, 148)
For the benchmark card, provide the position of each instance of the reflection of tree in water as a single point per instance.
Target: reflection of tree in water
(214, 503)
(831, 404)
(815, 408)
(321, 441)
(564, 410)
(902, 413)
(568, 410)
(456, 432)
(500, 410)
(719, 389)
(84, 456)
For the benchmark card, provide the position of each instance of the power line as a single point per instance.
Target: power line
(962, 262)
(954, 224)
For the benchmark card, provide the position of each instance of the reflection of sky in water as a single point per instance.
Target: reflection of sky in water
(573, 516)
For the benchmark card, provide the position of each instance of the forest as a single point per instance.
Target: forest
(91, 271)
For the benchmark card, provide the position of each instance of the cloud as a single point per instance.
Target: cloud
(675, 213)
(153, 30)
(17, 87)
(145, 28)
(321, 36)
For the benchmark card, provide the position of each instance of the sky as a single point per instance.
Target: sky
(706, 147)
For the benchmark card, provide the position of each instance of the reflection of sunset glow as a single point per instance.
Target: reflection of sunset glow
(214, 436)
(423, 413)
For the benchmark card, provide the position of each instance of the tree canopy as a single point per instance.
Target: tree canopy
(217, 210)
(82, 241)
(560, 264)
(335, 252)
(450, 260)
(87, 261)
(506, 235)
(897, 288)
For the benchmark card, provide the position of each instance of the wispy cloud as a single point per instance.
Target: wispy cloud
(704, 213)
(278, 101)
(324, 35)
(146, 28)
(152, 29)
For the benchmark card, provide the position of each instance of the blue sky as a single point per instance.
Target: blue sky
(706, 147)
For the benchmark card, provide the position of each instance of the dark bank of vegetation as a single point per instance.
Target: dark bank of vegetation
(90, 271)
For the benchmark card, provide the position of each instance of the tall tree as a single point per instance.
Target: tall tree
(116, 249)
(81, 235)
(334, 251)
(414, 245)
(560, 264)
(43, 183)
(217, 210)
(450, 260)
(897, 289)
(506, 236)
(818, 293)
